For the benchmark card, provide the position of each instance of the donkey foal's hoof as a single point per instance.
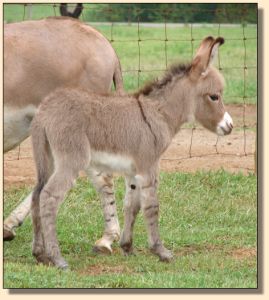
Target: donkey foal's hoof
(102, 247)
(60, 264)
(127, 249)
(163, 253)
(129, 252)
(63, 266)
(42, 259)
(166, 256)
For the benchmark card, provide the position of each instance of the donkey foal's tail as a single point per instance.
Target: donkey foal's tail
(41, 150)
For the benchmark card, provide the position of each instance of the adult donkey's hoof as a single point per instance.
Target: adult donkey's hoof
(102, 247)
(8, 234)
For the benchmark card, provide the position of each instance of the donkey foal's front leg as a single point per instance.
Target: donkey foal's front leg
(131, 208)
(150, 208)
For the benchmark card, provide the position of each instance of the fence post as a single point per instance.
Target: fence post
(255, 154)
(29, 11)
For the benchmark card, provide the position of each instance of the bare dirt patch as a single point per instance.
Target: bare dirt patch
(238, 253)
(243, 253)
(106, 269)
(191, 150)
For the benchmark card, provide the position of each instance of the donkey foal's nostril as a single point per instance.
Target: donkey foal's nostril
(225, 126)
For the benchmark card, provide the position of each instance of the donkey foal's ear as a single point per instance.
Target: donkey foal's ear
(214, 49)
(205, 55)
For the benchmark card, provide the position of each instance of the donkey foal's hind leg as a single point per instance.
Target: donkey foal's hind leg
(33, 202)
(103, 183)
(38, 248)
(51, 196)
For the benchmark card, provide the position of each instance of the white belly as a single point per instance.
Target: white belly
(16, 125)
(115, 163)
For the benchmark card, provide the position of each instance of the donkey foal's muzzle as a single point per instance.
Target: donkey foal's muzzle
(225, 126)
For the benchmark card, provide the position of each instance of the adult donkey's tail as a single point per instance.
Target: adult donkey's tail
(117, 79)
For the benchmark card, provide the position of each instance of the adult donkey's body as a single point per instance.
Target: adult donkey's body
(40, 56)
(79, 130)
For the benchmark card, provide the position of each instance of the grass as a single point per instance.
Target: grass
(150, 57)
(208, 220)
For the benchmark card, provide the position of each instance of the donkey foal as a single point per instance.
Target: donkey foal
(78, 130)
(49, 60)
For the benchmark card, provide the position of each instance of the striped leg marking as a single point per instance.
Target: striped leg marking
(150, 208)
(103, 183)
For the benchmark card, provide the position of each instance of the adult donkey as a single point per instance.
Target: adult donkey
(40, 56)
(75, 130)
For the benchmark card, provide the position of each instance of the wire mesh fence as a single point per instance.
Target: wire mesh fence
(147, 48)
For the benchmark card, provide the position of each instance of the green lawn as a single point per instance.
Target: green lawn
(208, 220)
(153, 54)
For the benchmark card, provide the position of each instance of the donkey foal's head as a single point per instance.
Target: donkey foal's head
(206, 89)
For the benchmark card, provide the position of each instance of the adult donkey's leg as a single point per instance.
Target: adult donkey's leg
(103, 183)
(16, 218)
(20, 213)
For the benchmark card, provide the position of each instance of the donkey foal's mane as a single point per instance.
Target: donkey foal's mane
(157, 84)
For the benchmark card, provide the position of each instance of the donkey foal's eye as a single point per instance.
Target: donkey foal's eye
(214, 97)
